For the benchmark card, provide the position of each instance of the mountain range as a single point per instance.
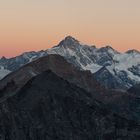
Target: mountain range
(12, 83)
(112, 69)
(71, 91)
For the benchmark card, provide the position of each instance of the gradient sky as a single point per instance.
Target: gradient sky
(27, 25)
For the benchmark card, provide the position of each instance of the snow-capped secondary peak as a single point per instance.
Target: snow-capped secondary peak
(107, 49)
(3, 58)
(133, 52)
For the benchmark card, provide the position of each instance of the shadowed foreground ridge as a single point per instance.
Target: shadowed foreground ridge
(126, 105)
(135, 90)
(50, 108)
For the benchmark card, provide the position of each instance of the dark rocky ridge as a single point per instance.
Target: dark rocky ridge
(59, 66)
(135, 90)
(50, 108)
(122, 103)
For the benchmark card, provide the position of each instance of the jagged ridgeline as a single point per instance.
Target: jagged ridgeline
(112, 69)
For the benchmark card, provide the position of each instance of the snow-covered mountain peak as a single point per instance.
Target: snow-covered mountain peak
(69, 41)
(93, 46)
(108, 50)
(115, 68)
(70, 38)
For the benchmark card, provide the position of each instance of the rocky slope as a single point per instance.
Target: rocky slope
(122, 103)
(50, 108)
(58, 65)
(8, 65)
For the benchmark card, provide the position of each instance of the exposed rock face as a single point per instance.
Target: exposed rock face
(14, 63)
(108, 79)
(50, 108)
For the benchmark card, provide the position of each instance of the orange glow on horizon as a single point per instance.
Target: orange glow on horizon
(33, 25)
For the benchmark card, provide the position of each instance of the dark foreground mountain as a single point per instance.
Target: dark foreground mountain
(135, 90)
(50, 108)
(59, 65)
(122, 103)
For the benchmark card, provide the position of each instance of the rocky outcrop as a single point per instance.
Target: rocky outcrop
(105, 77)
